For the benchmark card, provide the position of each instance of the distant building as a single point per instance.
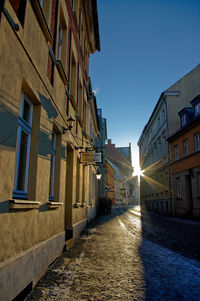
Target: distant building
(101, 147)
(156, 192)
(120, 158)
(185, 162)
(48, 116)
(109, 181)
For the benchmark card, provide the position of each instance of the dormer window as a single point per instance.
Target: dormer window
(196, 106)
(197, 109)
(183, 120)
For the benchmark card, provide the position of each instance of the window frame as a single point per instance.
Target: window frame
(197, 141)
(183, 120)
(20, 11)
(197, 109)
(176, 152)
(52, 167)
(185, 148)
(26, 127)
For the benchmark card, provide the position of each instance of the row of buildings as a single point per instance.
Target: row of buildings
(48, 121)
(52, 136)
(169, 149)
(120, 184)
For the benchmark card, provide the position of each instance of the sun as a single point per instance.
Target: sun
(138, 173)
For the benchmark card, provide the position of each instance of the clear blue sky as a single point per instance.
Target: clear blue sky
(146, 46)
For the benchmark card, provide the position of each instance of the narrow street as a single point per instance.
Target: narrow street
(126, 257)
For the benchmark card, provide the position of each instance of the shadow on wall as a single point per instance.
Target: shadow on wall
(48, 107)
(8, 126)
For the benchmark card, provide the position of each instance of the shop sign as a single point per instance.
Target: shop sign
(91, 158)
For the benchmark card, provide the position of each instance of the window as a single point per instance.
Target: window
(183, 120)
(59, 42)
(178, 187)
(41, 2)
(176, 154)
(23, 147)
(197, 142)
(163, 115)
(80, 101)
(77, 180)
(73, 78)
(197, 109)
(198, 183)
(158, 122)
(19, 7)
(62, 40)
(76, 7)
(52, 166)
(185, 148)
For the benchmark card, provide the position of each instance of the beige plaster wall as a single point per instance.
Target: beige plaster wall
(189, 88)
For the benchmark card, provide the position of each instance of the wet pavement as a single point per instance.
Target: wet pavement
(126, 256)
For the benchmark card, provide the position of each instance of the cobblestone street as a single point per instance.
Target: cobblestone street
(126, 257)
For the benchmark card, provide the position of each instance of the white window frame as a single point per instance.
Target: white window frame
(197, 141)
(183, 120)
(26, 127)
(185, 148)
(52, 167)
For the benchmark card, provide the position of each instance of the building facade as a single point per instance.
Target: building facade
(120, 159)
(185, 162)
(156, 192)
(46, 117)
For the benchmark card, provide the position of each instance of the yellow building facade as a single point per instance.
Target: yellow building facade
(45, 122)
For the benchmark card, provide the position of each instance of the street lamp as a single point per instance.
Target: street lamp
(70, 121)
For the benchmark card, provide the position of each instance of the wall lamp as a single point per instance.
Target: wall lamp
(91, 96)
(98, 175)
(70, 121)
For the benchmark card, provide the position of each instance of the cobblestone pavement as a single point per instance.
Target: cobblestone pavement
(126, 257)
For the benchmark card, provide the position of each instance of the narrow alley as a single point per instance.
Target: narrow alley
(126, 256)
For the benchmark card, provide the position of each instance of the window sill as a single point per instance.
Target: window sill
(61, 71)
(22, 204)
(42, 20)
(54, 205)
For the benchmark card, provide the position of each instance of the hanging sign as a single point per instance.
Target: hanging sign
(91, 158)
